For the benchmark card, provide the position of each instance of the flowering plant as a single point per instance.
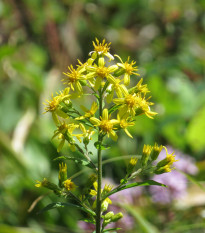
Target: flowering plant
(114, 108)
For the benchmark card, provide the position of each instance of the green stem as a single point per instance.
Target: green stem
(98, 206)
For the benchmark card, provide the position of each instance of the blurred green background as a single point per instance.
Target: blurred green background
(39, 39)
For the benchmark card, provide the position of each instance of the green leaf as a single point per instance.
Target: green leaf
(145, 183)
(76, 160)
(61, 205)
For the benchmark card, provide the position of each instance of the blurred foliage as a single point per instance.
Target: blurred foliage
(39, 39)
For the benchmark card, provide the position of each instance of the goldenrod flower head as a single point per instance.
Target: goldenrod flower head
(105, 124)
(65, 132)
(169, 160)
(101, 49)
(107, 188)
(147, 149)
(140, 88)
(124, 123)
(131, 165)
(133, 161)
(52, 104)
(74, 78)
(161, 170)
(100, 71)
(86, 134)
(88, 113)
(156, 150)
(128, 104)
(69, 185)
(129, 69)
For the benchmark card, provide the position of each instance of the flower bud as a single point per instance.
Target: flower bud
(62, 176)
(147, 149)
(161, 170)
(105, 204)
(116, 217)
(155, 152)
(46, 184)
(131, 165)
(109, 215)
(69, 185)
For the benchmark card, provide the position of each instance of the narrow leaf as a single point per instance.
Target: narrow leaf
(61, 205)
(76, 160)
(126, 186)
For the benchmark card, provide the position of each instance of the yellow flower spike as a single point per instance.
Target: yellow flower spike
(69, 185)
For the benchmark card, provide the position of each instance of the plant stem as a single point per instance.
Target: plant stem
(98, 206)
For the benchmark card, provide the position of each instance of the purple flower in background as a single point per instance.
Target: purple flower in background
(177, 185)
(176, 181)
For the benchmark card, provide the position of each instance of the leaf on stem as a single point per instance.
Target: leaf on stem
(76, 160)
(145, 183)
(61, 205)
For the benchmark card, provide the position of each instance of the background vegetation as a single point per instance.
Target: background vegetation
(38, 40)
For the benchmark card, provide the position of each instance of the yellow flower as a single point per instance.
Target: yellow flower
(147, 149)
(86, 134)
(169, 160)
(54, 106)
(105, 124)
(101, 49)
(88, 113)
(107, 200)
(128, 68)
(156, 150)
(100, 71)
(74, 78)
(124, 123)
(120, 89)
(161, 170)
(139, 88)
(65, 132)
(69, 185)
(134, 104)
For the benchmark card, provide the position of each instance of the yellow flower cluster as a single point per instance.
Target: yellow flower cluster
(107, 81)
